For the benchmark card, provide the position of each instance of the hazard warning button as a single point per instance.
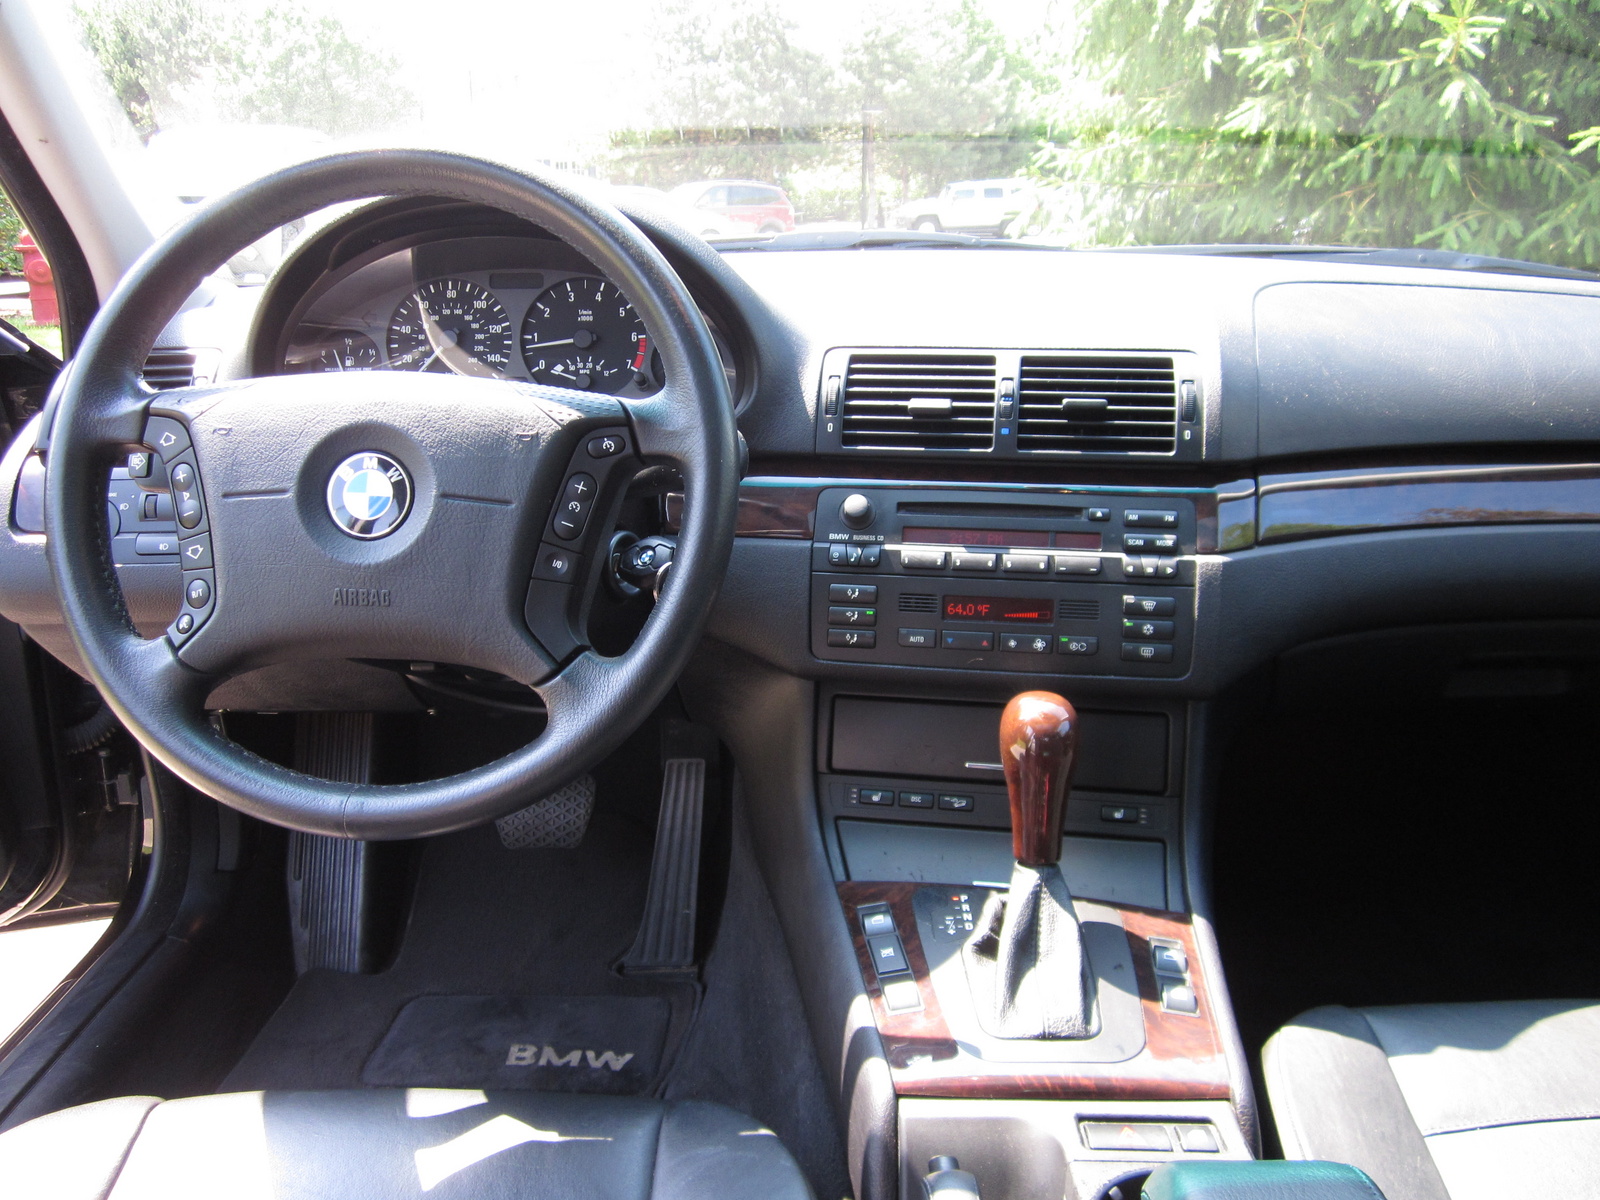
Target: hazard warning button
(1125, 1135)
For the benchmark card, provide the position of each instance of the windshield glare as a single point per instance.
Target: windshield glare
(1460, 125)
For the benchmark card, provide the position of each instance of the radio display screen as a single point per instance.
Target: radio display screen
(979, 537)
(1078, 541)
(996, 608)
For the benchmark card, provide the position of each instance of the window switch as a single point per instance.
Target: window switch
(1170, 960)
(1178, 997)
(876, 919)
(888, 955)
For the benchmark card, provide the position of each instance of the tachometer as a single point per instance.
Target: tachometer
(451, 325)
(582, 333)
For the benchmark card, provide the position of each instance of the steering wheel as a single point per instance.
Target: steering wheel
(387, 515)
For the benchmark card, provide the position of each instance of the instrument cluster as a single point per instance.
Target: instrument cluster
(491, 307)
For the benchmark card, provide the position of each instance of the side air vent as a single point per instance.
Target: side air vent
(166, 369)
(1097, 404)
(918, 602)
(902, 401)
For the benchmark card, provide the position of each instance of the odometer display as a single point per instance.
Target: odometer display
(996, 608)
(451, 325)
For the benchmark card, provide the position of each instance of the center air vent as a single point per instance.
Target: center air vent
(1097, 404)
(165, 369)
(918, 402)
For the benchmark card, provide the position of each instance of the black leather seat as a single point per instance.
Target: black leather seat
(396, 1143)
(1445, 1101)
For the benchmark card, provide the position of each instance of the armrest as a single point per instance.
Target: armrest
(1259, 1181)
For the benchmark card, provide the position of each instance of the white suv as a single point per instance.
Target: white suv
(983, 206)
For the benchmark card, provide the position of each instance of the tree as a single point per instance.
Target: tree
(10, 227)
(957, 99)
(287, 66)
(1462, 124)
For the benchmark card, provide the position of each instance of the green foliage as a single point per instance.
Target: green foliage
(950, 99)
(1463, 124)
(288, 66)
(10, 227)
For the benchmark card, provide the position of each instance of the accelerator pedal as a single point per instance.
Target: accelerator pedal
(665, 945)
(331, 879)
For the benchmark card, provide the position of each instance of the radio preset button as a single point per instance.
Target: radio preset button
(1025, 643)
(920, 639)
(1069, 643)
(963, 561)
(1025, 564)
(863, 617)
(1149, 606)
(852, 593)
(1077, 564)
(923, 560)
(852, 639)
(1147, 631)
(962, 639)
(1147, 652)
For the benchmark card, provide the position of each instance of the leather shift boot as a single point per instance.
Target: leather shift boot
(1025, 961)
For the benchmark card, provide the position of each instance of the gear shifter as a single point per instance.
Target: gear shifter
(1025, 961)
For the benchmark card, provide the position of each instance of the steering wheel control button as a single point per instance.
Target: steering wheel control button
(182, 477)
(156, 543)
(572, 512)
(852, 639)
(195, 553)
(199, 601)
(369, 495)
(606, 446)
(169, 437)
(190, 514)
(1149, 606)
(197, 592)
(1068, 643)
(139, 464)
(1151, 652)
(556, 563)
(185, 623)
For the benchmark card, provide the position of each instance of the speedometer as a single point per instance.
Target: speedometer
(582, 333)
(451, 325)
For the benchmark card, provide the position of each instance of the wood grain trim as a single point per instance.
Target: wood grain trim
(1182, 1058)
(1326, 504)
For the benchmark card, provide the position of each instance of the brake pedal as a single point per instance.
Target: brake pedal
(665, 944)
(555, 822)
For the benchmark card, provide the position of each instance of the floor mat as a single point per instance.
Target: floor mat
(486, 922)
(609, 1044)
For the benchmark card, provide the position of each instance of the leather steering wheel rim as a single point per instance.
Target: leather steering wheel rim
(156, 687)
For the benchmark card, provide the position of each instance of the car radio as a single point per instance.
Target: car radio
(1038, 580)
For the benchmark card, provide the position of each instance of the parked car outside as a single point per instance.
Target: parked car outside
(747, 205)
(992, 207)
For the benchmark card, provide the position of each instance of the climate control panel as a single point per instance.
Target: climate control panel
(1042, 581)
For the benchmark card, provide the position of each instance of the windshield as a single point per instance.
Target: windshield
(1457, 125)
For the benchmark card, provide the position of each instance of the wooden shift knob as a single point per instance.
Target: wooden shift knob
(1038, 738)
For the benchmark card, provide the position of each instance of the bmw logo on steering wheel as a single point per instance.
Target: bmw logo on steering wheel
(369, 495)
